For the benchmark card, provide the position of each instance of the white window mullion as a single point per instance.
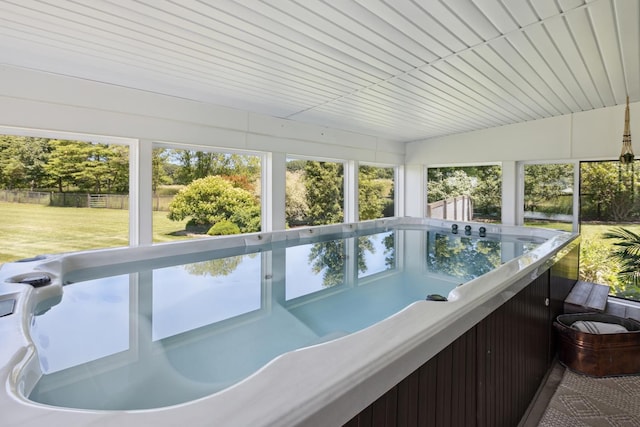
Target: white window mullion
(351, 191)
(140, 193)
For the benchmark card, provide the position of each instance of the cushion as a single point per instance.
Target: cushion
(592, 327)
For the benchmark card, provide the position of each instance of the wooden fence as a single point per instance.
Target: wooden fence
(21, 196)
(455, 209)
(78, 200)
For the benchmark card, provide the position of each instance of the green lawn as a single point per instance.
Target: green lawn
(595, 231)
(28, 229)
(564, 226)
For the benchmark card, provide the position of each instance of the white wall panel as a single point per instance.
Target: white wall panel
(540, 139)
(598, 134)
(44, 101)
(69, 91)
(595, 134)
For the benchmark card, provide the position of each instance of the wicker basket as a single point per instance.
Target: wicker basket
(598, 355)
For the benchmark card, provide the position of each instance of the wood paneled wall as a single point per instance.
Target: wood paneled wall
(489, 375)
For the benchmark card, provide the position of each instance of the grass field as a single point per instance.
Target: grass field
(28, 230)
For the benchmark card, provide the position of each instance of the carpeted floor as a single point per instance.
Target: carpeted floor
(596, 402)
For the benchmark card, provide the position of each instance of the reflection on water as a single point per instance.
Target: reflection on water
(209, 292)
(462, 257)
(376, 253)
(328, 258)
(316, 266)
(166, 334)
(470, 257)
(214, 267)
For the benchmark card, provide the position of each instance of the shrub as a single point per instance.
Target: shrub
(212, 199)
(596, 265)
(223, 228)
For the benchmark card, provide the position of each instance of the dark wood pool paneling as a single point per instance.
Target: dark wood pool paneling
(563, 276)
(488, 376)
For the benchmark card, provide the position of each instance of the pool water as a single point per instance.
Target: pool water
(168, 331)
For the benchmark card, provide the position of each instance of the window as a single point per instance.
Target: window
(471, 193)
(548, 195)
(199, 193)
(60, 195)
(609, 225)
(375, 192)
(314, 192)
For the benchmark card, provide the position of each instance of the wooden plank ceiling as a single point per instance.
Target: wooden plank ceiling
(399, 69)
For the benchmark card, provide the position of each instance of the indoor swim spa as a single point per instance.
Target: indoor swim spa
(298, 327)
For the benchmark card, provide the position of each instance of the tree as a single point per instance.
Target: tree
(212, 199)
(487, 191)
(445, 183)
(160, 169)
(325, 195)
(601, 187)
(116, 174)
(296, 207)
(22, 161)
(199, 164)
(184, 174)
(103, 169)
(372, 193)
(545, 184)
(296, 165)
(64, 163)
(86, 166)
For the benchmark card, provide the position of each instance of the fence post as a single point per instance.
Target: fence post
(455, 207)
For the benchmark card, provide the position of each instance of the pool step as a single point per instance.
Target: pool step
(586, 296)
